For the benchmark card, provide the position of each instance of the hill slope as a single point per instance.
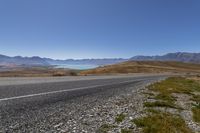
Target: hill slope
(145, 67)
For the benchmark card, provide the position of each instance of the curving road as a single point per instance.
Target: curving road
(34, 88)
(20, 96)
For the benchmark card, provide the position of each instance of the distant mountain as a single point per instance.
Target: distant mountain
(25, 61)
(98, 62)
(179, 56)
(38, 61)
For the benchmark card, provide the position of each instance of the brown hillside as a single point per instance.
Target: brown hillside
(145, 67)
(37, 72)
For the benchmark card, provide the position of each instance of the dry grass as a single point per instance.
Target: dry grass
(196, 113)
(37, 72)
(145, 67)
(105, 128)
(160, 122)
(196, 108)
(166, 88)
(174, 85)
(196, 78)
(119, 118)
(161, 104)
(126, 131)
(157, 121)
(177, 85)
(196, 98)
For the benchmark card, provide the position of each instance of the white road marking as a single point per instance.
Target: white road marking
(53, 92)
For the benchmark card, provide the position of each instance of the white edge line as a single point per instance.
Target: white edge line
(53, 92)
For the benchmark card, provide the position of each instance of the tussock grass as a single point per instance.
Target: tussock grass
(120, 117)
(196, 113)
(167, 87)
(149, 93)
(126, 131)
(151, 110)
(176, 85)
(172, 85)
(160, 122)
(105, 128)
(157, 121)
(196, 98)
(179, 85)
(196, 108)
(165, 97)
(161, 104)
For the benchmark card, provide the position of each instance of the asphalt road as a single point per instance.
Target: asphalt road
(10, 93)
(18, 99)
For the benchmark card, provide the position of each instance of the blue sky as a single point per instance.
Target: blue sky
(98, 28)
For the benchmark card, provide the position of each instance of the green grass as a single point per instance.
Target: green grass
(126, 131)
(196, 108)
(196, 113)
(171, 85)
(150, 110)
(196, 98)
(161, 104)
(175, 85)
(149, 93)
(162, 123)
(197, 105)
(105, 128)
(165, 97)
(120, 117)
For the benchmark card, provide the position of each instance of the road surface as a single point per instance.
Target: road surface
(22, 98)
(12, 89)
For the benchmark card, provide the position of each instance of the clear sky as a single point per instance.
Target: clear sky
(98, 28)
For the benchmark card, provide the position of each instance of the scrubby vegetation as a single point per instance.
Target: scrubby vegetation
(196, 113)
(160, 122)
(157, 121)
(119, 118)
(105, 128)
(175, 85)
(196, 109)
(166, 88)
(126, 131)
(160, 104)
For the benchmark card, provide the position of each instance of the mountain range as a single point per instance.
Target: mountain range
(38, 61)
(97, 62)
(20, 61)
(179, 56)
(8, 61)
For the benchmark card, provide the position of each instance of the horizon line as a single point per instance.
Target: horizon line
(24, 56)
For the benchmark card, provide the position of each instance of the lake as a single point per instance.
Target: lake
(76, 66)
